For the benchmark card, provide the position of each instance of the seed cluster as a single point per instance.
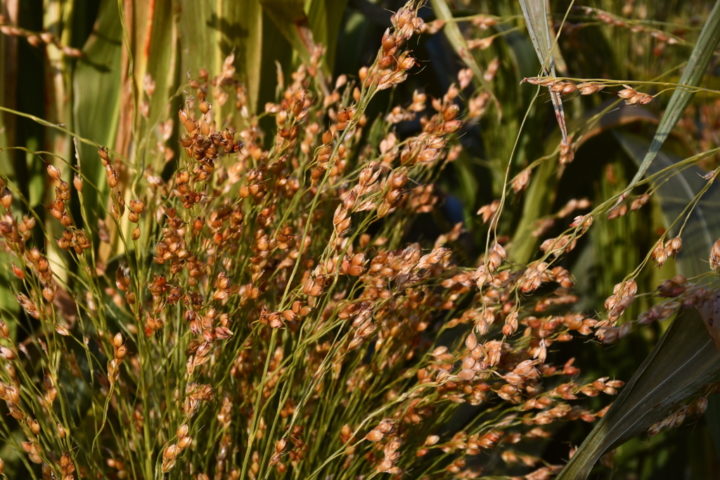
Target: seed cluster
(37, 39)
(615, 21)
(566, 87)
(268, 316)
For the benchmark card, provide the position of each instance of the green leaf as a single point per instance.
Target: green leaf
(8, 77)
(291, 21)
(702, 230)
(675, 191)
(211, 31)
(325, 17)
(536, 20)
(693, 72)
(457, 40)
(155, 46)
(96, 101)
(684, 361)
(712, 415)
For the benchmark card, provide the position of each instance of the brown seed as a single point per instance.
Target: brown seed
(374, 436)
(386, 61)
(48, 294)
(388, 41)
(34, 426)
(6, 199)
(137, 206)
(627, 92)
(47, 37)
(466, 374)
(18, 272)
(53, 172)
(714, 259)
(184, 443)
(471, 341)
(171, 452)
(568, 88)
(7, 354)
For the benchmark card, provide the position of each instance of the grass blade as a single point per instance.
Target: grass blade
(536, 19)
(457, 40)
(210, 31)
(96, 77)
(325, 17)
(693, 72)
(684, 360)
(156, 58)
(291, 20)
(680, 189)
(535, 13)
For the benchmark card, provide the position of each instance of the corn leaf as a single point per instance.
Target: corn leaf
(96, 77)
(684, 360)
(155, 53)
(7, 298)
(712, 416)
(457, 40)
(325, 18)
(8, 91)
(290, 19)
(536, 13)
(675, 191)
(702, 230)
(693, 72)
(211, 31)
(536, 20)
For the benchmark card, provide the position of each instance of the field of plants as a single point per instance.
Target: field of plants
(359, 239)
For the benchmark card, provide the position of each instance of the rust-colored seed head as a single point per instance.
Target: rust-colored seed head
(714, 259)
(171, 452)
(374, 436)
(184, 443)
(53, 172)
(78, 183)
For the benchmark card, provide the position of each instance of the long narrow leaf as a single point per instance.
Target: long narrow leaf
(684, 360)
(675, 192)
(457, 40)
(325, 17)
(210, 31)
(536, 19)
(97, 77)
(535, 13)
(693, 72)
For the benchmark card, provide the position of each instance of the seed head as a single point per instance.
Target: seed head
(714, 259)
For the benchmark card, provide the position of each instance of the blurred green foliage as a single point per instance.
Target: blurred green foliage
(137, 57)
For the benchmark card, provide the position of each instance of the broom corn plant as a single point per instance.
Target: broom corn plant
(246, 299)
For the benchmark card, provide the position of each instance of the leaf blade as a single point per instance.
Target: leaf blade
(536, 20)
(692, 73)
(644, 400)
(675, 191)
(457, 40)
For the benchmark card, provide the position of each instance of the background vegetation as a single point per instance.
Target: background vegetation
(77, 75)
